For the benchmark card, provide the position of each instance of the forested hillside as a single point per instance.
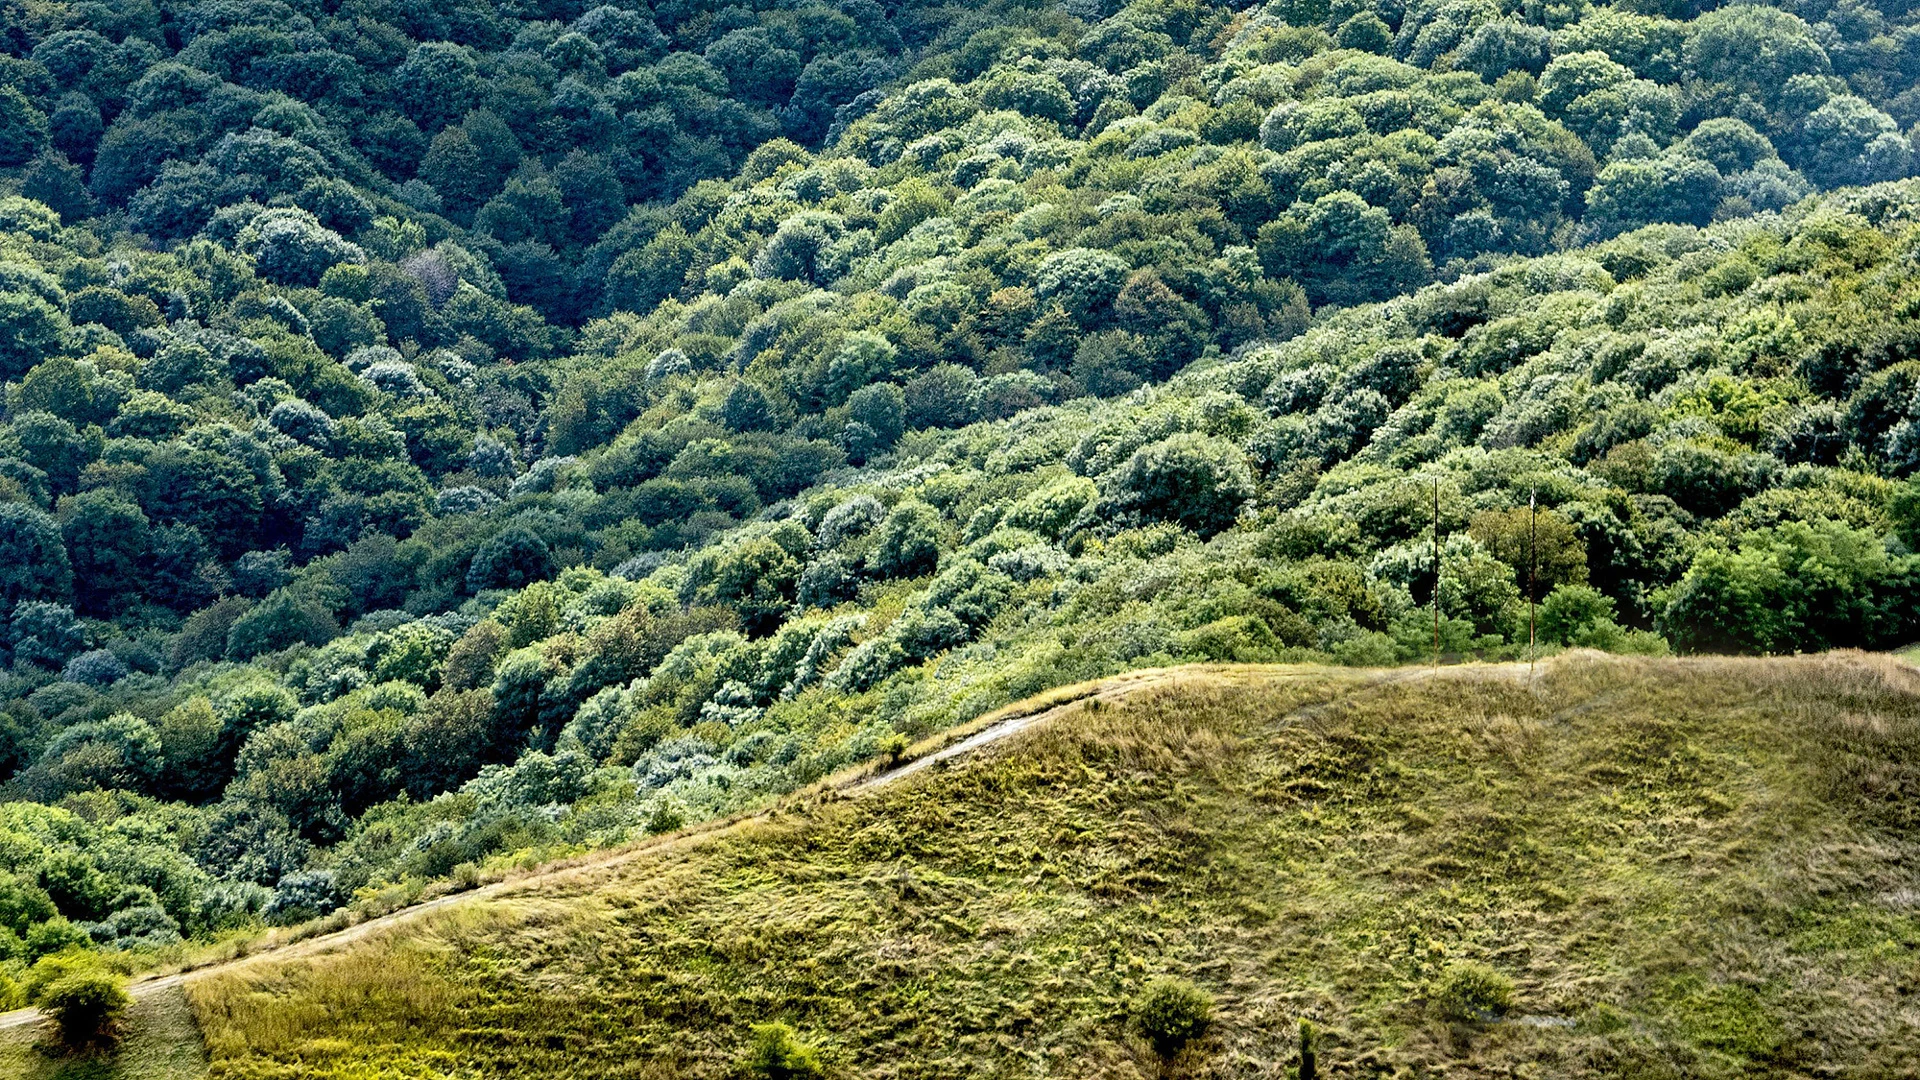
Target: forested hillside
(440, 435)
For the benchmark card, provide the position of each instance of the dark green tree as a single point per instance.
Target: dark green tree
(1194, 481)
(1342, 250)
(23, 128)
(31, 329)
(33, 557)
(514, 558)
(287, 617)
(106, 540)
(907, 543)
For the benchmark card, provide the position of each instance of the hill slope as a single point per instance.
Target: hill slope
(420, 417)
(1686, 867)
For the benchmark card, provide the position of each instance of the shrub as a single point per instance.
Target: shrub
(96, 668)
(1571, 613)
(1193, 481)
(1904, 510)
(1082, 280)
(465, 499)
(33, 555)
(855, 517)
(1051, 509)
(1172, 1013)
(120, 752)
(45, 634)
(31, 329)
(470, 661)
(305, 895)
(944, 397)
(777, 1053)
(1544, 550)
(758, 577)
(291, 247)
(513, 558)
(867, 664)
(908, 543)
(1368, 648)
(666, 816)
(875, 419)
(1796, 587)
(794, 252)
(284, 619)
(228, 905)
(85, 1006)
(922, 633)
(827, 581)
(1472, 992)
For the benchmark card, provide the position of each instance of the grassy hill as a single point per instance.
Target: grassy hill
(1686, 868)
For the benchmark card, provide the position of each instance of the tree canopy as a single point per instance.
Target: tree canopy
(435, 434)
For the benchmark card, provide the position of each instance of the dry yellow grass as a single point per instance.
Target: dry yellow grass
(1689, 868)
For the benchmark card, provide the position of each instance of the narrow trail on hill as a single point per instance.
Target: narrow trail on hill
(993, 728)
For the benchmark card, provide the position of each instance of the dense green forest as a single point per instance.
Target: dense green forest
(442, 433)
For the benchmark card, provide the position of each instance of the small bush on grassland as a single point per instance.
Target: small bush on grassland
(779, 1054)
(1471, 991)
(1172, 1013)
(85, 1006)
(666, 816)
(306, 894)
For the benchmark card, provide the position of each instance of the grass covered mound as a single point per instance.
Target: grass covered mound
(1654, 868)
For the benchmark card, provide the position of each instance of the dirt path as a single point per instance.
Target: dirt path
(969, 739)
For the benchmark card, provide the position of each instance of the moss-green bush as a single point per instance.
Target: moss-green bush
(777, 1053)
(1473, 992)
(1172, 1013)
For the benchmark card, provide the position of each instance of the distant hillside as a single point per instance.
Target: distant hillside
(1686, 868)
(440, 436)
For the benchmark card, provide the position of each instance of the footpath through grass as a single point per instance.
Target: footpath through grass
(1687, 868)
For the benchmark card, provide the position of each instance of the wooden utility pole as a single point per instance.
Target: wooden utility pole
(1436, 572)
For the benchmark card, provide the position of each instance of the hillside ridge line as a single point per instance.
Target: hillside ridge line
(959, 741)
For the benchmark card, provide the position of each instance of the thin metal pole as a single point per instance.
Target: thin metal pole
(1436, 572)
(1533, 565)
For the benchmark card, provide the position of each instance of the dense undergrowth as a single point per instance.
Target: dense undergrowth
(440, 436)
(1684, 868)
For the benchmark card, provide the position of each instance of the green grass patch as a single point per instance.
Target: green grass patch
(1648, 868)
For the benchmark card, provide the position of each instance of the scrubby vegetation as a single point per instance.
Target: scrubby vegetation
(1172, 1014)
(440, 435)
(1626, 868)
(85, 1007)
